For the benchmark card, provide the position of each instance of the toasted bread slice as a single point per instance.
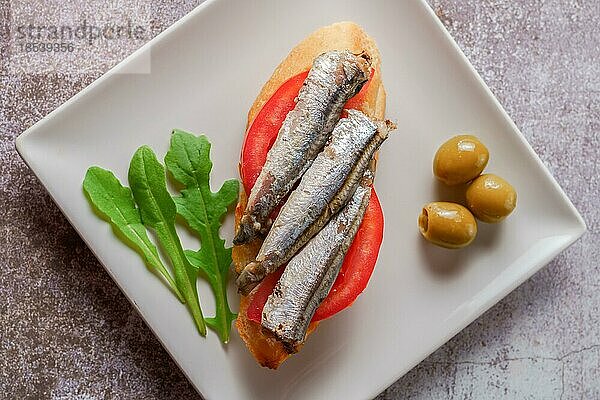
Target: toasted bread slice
(267, 350)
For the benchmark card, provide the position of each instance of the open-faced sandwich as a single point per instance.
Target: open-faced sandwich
(308, 222)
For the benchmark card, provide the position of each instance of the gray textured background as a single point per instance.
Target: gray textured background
(67, 332)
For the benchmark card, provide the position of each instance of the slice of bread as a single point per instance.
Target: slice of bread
(267, 350)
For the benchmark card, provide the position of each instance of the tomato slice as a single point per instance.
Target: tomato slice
(263, 131)
(260, 295)
(358, 265)
(353, 277)
(362, 255)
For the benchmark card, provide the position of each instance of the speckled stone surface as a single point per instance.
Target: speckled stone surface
(66, 332)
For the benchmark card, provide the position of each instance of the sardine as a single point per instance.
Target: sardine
(310, 274)
(334, 78)
(323, 190)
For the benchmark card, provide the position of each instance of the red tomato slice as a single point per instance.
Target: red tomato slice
(263, 130)
(261, 134)
(358, 265)
(260, 295)
(362, 255)
(353, 277)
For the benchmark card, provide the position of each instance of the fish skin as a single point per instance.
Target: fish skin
(323, 190)
(334, 78)
(310, 274)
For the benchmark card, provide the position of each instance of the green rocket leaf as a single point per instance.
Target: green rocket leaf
(188, 160)
(158, 211)
(114, 203)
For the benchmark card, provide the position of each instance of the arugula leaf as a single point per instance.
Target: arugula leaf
(158, 211)
(149, 205)
(114, 203)
(188, 160)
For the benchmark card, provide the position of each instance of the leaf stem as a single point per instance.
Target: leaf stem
(164, 273)
(169, 240)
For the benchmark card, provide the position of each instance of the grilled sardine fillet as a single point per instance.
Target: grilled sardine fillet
(335, 77)
(323, 190)
(309, 275)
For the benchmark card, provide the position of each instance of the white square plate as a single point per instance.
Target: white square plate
(204, 73)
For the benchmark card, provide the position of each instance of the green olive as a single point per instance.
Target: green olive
(460, 160)
(448, 225)
(490, 198)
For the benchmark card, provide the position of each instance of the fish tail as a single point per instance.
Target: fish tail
(250, 277)
(385, 127)
(247, 229)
